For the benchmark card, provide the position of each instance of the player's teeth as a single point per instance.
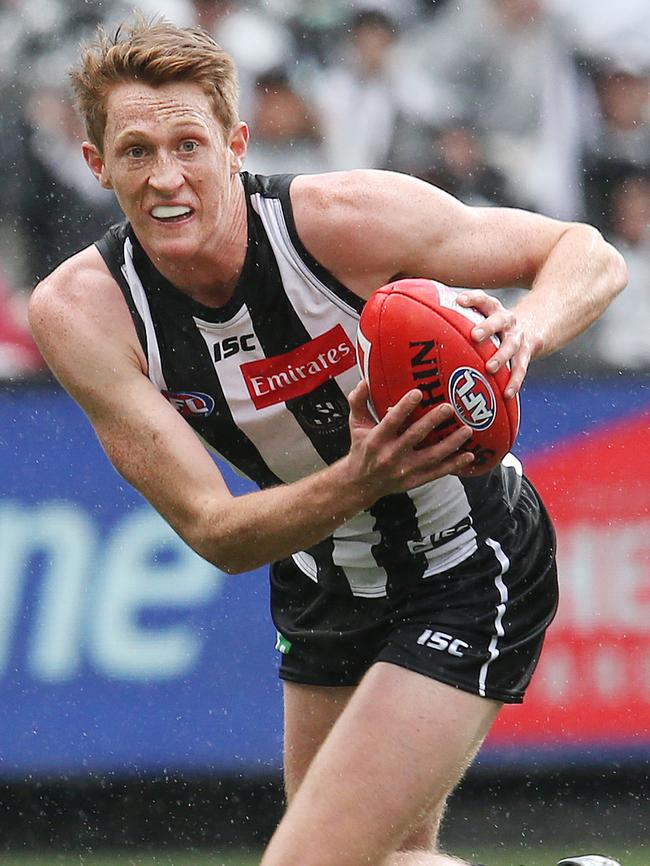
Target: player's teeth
(162, 211)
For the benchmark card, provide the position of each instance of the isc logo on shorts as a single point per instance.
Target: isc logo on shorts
(472, 397)
(439, 640)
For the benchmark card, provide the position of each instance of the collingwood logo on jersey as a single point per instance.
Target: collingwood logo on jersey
(300, 371)
(324, 416)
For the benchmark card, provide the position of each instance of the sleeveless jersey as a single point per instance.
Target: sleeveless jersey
(263, 381)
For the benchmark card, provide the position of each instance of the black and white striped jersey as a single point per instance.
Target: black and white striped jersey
(263, 380)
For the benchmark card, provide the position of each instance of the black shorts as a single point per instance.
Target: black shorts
(479, 627)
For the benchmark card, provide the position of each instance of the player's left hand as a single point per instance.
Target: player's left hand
(502, 323)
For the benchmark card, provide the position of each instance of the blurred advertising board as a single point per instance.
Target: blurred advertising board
(586, 446)
(121, 651)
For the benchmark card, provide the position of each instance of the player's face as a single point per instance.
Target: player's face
(172, 166)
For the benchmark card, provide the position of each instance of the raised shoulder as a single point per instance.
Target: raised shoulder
(355, 190)
(368, 227)
(358, 199)
(78, 315)
(75, 287)
(365, 225)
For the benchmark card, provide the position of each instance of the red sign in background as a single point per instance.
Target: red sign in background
(592, 685)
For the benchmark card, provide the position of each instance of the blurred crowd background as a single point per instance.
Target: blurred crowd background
(541, 104)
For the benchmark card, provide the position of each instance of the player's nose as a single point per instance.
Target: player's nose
(166, 175)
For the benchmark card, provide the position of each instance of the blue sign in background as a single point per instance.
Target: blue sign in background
(122, 651)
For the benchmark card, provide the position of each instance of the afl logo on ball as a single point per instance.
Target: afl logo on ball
(472, 398)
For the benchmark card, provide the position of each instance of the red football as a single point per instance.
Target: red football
(413, 334)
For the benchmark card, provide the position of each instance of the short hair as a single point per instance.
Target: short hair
(154, 52)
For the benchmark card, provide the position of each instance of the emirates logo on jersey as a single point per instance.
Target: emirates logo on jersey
(300, 371)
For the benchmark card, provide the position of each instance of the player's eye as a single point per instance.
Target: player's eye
(188, 146)
(136, 151)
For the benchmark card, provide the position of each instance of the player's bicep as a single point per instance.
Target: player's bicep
(368, 227)
(482, 247)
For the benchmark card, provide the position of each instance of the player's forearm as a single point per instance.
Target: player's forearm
(580, 277)
(261, 527)
(241, 533)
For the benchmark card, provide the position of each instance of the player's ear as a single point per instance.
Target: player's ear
(95, 163)
(237, 145)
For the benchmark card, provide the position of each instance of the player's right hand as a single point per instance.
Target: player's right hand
(386, 457)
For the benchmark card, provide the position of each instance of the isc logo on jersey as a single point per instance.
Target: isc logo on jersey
(472, 397)
(190, 404)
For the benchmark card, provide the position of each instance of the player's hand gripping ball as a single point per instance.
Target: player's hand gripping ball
(413, 334)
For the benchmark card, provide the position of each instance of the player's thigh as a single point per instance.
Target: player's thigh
(309, 714)
(396, 751)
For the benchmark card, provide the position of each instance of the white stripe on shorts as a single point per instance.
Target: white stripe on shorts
(504, 563)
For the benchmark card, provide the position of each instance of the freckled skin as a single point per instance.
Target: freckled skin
(162, 146)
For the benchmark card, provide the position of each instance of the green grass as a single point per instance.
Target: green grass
(501, 857)
(128, 858)
(550, 856)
